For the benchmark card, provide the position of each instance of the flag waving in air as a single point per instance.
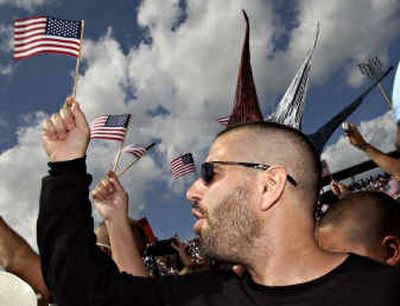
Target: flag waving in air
(110, 127)
(182, 165)
(224, 120)
(137, 151)
(41, 34)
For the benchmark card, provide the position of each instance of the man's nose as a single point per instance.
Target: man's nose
(196, 191)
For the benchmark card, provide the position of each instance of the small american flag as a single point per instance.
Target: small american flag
(109, 127)
(223, 120)
(182, 165)
(41, 34)
(137, 151)
(392, 188)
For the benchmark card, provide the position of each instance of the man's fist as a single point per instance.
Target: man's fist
(110, 198)
(340, 190)
(66, 134)
(355, 138)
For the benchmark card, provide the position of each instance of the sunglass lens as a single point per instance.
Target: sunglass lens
(207, 172)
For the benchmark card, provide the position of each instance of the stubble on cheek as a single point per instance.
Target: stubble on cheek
(230, 228)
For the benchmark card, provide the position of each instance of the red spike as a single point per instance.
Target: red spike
(246, 107)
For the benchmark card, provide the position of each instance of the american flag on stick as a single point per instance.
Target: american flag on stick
(392, 188)
(223, 120)
(137, 151)
(110, 127)
(41, 34)
(182, 165)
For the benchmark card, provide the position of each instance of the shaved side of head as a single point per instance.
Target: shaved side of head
(273, 143)
(362, 218)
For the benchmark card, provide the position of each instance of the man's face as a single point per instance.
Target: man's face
(226, 222)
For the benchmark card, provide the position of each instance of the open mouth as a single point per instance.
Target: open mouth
(200, 220)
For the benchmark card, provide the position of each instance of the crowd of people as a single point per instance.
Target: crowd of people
(258, 241)
(380, 182)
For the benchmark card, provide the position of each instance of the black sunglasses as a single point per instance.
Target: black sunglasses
(207, 169)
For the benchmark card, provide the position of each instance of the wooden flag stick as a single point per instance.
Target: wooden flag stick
(127, 167)
(118, 156)
(134, 161)
(116, 163)
(78, 60)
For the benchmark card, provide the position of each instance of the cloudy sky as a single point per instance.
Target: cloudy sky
(172, 64)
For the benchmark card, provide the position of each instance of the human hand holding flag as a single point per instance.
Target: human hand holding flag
(65, 135)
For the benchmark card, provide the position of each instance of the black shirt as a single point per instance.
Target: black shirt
(77, 273)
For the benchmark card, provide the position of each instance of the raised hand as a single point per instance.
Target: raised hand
(111, 202)
(110, 198)
(355, 138)
(65, 135)
(339, 189)
(181, 249)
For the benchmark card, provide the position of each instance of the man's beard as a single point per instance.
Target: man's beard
(231, 228)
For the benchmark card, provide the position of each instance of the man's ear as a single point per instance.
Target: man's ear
(391, 248)
(274, 181)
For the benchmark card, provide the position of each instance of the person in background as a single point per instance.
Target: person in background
(366, 223)
(17, 257)
(139, 236)
(339, 189)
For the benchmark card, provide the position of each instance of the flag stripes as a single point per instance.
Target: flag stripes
(182, 165)
(223, 120)
(109, 127)
(137, 151)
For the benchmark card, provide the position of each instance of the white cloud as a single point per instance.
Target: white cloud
(26, 4)
(191, 74)
(351, 31)
(21, 169)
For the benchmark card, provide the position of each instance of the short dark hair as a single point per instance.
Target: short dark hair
(293, 134)
(375, 215)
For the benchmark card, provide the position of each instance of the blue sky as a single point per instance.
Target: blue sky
(173, 65)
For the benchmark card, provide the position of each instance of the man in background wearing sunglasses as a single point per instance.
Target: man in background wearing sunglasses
(254, 205)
